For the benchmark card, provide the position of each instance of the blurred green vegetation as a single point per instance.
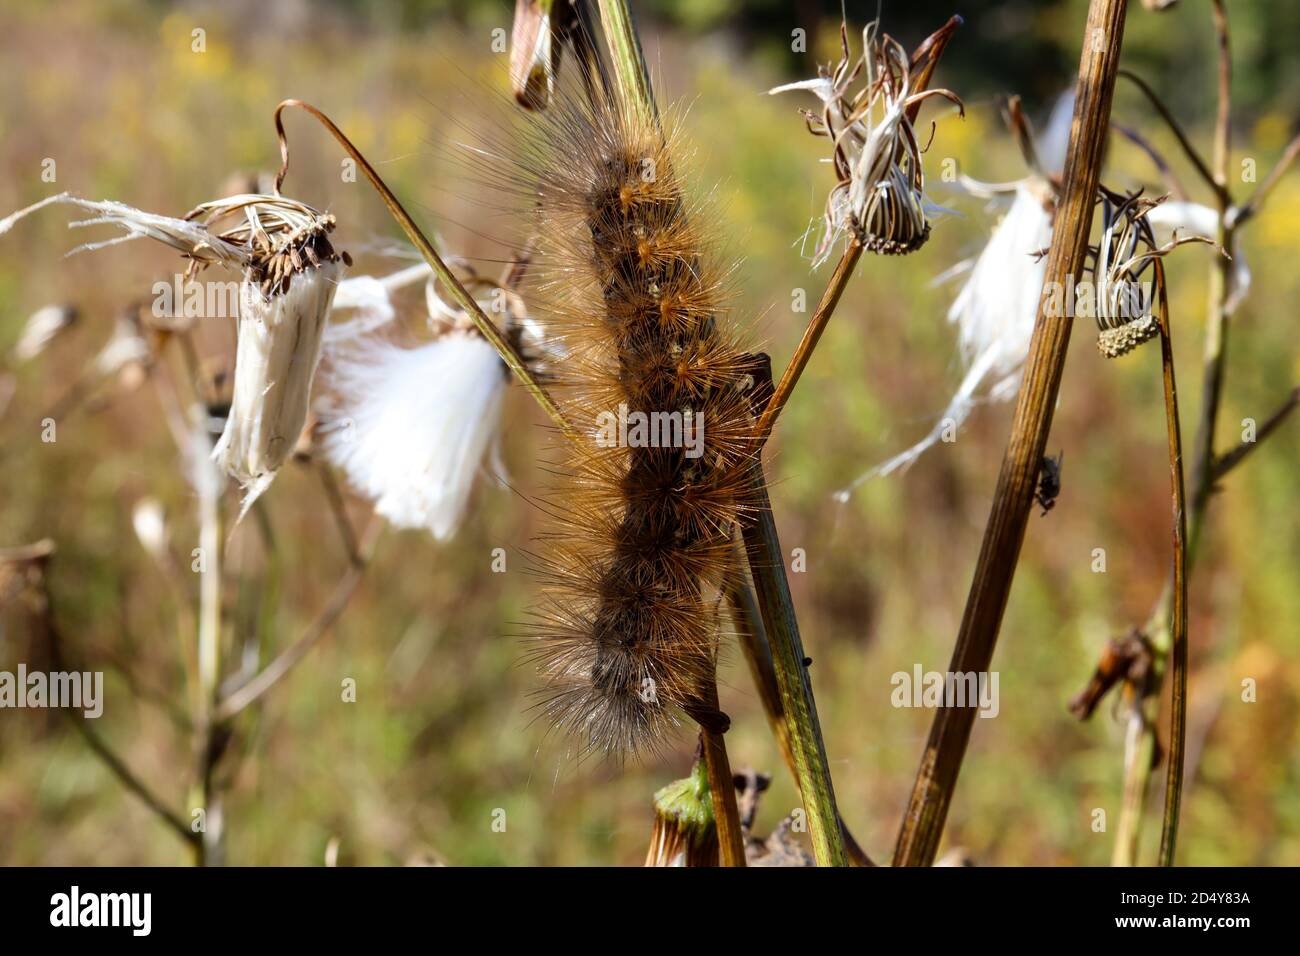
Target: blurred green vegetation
(441, 735)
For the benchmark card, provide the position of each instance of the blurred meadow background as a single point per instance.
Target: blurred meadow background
(440, 735)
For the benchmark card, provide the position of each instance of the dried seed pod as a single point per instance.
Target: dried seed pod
(1123, 301)
(879, 192)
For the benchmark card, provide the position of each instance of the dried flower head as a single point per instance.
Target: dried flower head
(290, 271)
(995, 310)
(1123, 301)
(290, 275)
(879, 191)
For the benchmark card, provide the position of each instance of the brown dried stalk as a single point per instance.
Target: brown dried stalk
(1178, 622)
(936, 779)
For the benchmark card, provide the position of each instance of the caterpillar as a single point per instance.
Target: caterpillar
(629, 284)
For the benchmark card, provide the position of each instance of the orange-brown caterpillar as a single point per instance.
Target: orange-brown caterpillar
(629, 618)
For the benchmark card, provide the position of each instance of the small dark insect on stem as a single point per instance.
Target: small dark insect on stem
(1049, 482)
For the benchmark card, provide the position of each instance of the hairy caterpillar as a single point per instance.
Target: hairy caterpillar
(628, 623)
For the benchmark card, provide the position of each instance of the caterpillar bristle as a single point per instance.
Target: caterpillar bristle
(627, 628)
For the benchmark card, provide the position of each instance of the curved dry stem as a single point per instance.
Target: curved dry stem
(458, 292)
(1261, 193)
(1202, 168)
(811, 336)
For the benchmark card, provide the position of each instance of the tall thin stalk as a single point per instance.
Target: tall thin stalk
(1178, 622)
(789, 662)
(752, 638)
(1141, 748)
(209, 848)
(922, 827)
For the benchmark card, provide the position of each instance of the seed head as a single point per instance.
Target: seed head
(1125, 253)
(878, 196)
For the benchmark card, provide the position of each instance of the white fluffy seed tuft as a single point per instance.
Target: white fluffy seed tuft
(412, 426)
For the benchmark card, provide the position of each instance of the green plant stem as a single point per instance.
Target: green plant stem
(772, 589)
(936, 779)
(630, 72)
(758, 655)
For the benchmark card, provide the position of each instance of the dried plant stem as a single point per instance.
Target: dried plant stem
(1139, 754)
(209, 847)
(1138, 762)
(1223, 112)
(274, 672)
(772, 589)
(1261, 193)
(339, 511)
(458, 292)
(936, 779)
(1225, 463)
(133, 783)
(40, 554)
(726, 814)
(1202, 168)
(1178, 622)
(811, 336)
